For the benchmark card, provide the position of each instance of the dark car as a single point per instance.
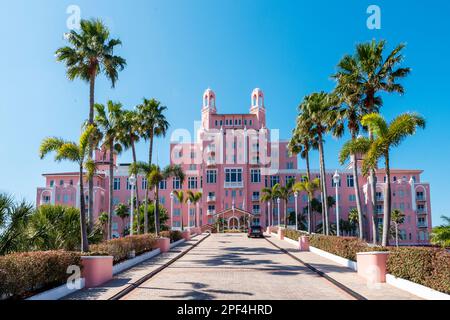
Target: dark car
(255, 232)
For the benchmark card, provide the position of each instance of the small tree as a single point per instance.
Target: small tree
(397, 218)
(441, 235)
(122, 211)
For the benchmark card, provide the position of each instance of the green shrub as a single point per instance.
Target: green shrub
(27, 273)
(173, 235)
(426, 266)
(346, 247)
(294, 234)
(120, 248)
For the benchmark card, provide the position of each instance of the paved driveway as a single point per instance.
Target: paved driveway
(231, 266)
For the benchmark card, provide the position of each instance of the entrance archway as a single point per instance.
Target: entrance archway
(233, 223)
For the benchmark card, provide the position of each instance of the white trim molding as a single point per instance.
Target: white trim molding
(57, 293)
(416, 289)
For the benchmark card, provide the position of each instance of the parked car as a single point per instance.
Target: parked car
(255, 232)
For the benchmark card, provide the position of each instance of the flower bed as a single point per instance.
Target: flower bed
(25, 274)
(121, 248)
(173, 235)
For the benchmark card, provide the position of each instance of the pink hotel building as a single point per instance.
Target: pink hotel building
(232, 158)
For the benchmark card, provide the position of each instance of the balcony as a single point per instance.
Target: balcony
(422, 211)
(255, 198)
(211, 212)
(211, 199)
(422, 225)
(421, 198)
(211, 162)
(380, 198)
(237, 184)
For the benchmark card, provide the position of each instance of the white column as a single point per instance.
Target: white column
(132, 210)
(296, 210)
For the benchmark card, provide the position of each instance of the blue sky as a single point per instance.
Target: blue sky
(176, 49)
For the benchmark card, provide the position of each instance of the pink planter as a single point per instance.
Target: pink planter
(96, 270)
(372, 266)
(186, 235)
(281, 232)
(303, 243)
(163, 244)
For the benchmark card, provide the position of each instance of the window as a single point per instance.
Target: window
(290, 165)
(379, 208)
(128, 185)
(52, 183)
(176, 212)
(163, 185)
(352, 198)
(255, 195)
(192, 182)
(176, 184)
(192, 167)
(211, 176)
(233, 193)
(233, 175)
(289, 178)
(162, 200)
(402, 206)
(116, 185)
(216, 123)
(176, 224)
(192, 211)
(255, 175)
(350, 181)
(420, 195)
(116, 201)
(274, 180)
(61, 182)
(144, 183)
(66, 198)
(46, 199)
(256, 209)
(71, 182)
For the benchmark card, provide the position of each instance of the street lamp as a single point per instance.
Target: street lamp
(296, 209)
(336, 179)
(189, 213)
(132, 182)
(278, 213)
(171, 210)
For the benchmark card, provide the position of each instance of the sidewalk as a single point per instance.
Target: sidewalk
(130, 276)
(346, 276)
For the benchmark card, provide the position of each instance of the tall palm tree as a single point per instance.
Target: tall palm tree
(322, 112)
(310, 187)
(285, 192)
(128, 137)
(397, 218)
(368, 73)
(353, 219)
(441, 234)
(270, 195)
(179, 195)
(122, 211)
(195, 199)
(71, 151)
(108, 122)
(90, 53)
(302, 142)
(152, 121)
(387, 136)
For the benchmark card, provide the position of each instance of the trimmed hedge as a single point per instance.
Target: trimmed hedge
(294, 234)
(173, 235)
(426, 266)
(25, 274)
(120, 248)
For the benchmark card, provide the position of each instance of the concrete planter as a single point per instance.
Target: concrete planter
(303, 243)
(96, 270)
(163, 244)
(186, 234)
(372, 266)
(281, 233)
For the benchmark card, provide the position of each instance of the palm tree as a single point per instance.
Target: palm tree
(195, 199)
(441, 234)
(108, 122)
(367, 73)
(353, 219)
(285, 192)
(128, 137)
(302, 142)
(179, 195)
(270, 195)
(322, 114)
(351, 149)
(153, 122)
(155, 175)
(387, 136)
(90, 53)
(122, 211)
(397, 218)
(66, 150)
(310, 187)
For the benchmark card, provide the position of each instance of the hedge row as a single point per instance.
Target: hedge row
(25, 274)
(173, 235)
(426, 266)
(120, 248)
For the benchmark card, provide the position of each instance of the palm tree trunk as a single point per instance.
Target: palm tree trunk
(324, 186)
(91, 150)
(358, 197)
(387, 204)
(308, 175)
(285, 214)
(150, 149)
(111, 183)
(156, 210)
(373, 191)
(146, 210)
(133, 149)
(84, 239)
(396, 234)
(309, 215)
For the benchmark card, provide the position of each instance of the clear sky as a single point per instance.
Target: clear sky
(176, 49)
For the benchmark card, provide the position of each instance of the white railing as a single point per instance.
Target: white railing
(211, 162)
(211, 198)
(256, 211)
(211, 212)
(255, 198)
(234, 184)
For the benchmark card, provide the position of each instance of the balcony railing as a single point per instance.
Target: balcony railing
(422, 225)
(239, 184)
(380, 198)
(255, 198)
(211, 198)
(211, 212)
(421, 211)
(421, 198)
(211, 162)
(256, 211)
